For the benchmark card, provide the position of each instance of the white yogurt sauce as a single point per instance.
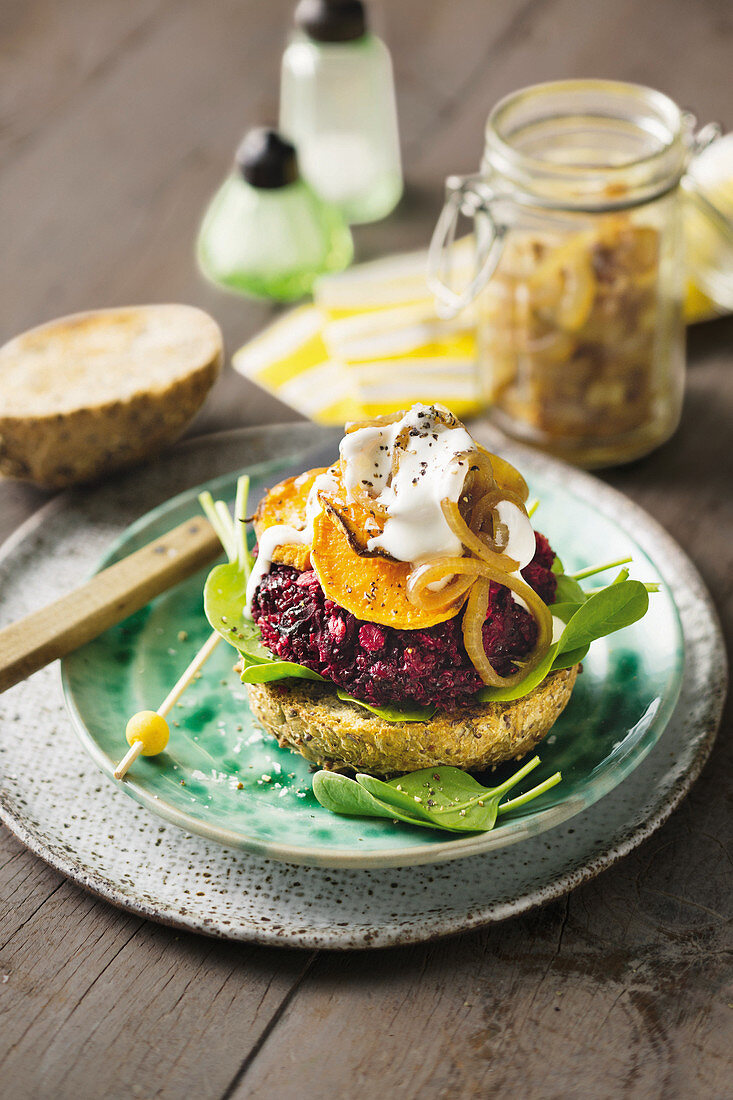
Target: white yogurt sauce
(274, 536)
(557, 628)
(521, 541)
(432, 468)
(280, 534)
(521, 544)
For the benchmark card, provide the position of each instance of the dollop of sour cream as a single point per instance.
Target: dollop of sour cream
(433, 460)
(432, 467)
(281, 534)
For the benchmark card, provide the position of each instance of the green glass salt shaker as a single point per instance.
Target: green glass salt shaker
(266, 233)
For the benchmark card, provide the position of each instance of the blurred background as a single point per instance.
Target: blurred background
(120, 120)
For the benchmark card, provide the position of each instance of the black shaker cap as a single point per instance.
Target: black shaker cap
(331, 20)
(266, 160)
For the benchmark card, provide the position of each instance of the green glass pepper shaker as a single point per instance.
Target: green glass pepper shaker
(266, 233)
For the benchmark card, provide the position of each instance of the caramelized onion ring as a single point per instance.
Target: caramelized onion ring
(473, 542)
(462, 573)
(473, 622)
(506, 476)
(473, 632)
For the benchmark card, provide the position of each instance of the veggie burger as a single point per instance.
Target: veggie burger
(401, 613)
(400, 605)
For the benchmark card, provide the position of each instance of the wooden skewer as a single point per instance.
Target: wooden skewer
(171, 698)
(197, 663)
(106, 599)
(148, 732)
(128, 759)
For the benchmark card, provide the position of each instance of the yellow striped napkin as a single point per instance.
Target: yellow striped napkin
(372, 343)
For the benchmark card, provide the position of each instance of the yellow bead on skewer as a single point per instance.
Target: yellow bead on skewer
(147, 731)
(149, 727)
(147, 734)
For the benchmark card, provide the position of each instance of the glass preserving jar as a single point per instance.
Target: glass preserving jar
(579, 276)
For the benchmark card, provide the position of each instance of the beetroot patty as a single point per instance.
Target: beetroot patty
(383, 665)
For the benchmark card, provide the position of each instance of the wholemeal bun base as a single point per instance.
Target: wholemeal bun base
(310, 719)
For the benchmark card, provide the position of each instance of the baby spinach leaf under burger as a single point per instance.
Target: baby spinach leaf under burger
(224, 599)
(225, 593)
(570, 658)
(600, 613)
(264, 672)
(568, 591)
(438, 798)
(517, 691)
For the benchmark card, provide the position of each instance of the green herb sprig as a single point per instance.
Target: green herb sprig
(434, 798)
(225, 594)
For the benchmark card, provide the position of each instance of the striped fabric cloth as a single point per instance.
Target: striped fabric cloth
(371, 343)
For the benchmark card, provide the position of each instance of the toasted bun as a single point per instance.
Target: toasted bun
(310, 719)
(98, 391)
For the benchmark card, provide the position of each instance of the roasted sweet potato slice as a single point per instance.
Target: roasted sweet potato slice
(373, 588)
(285, 504)
(370, 586)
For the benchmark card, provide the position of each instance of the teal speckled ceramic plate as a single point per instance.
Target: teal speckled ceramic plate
(222, 778)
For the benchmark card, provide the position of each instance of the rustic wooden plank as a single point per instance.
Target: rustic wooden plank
(51, 54)
(25, 885)
(142, 160)
(95, 1002)
(605, 994)
(98, 1003)
(561, 38)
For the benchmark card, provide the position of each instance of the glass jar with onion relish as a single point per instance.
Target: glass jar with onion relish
(579, 270)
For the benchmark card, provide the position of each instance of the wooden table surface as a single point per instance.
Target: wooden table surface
(118, 121)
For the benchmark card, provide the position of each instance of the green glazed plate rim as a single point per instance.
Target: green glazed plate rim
(608, 775)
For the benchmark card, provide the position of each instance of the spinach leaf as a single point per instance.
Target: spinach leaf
(619, 605)
(250, 645)
(446, 797)
(225, 593)
(568, 590)
(564, 611)
(604, 612)
(224, 599)
(440, 798)
(264, 672)
(341, 795)
(518, 691)
(225, 596)
(570, 658)
(391, 714)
